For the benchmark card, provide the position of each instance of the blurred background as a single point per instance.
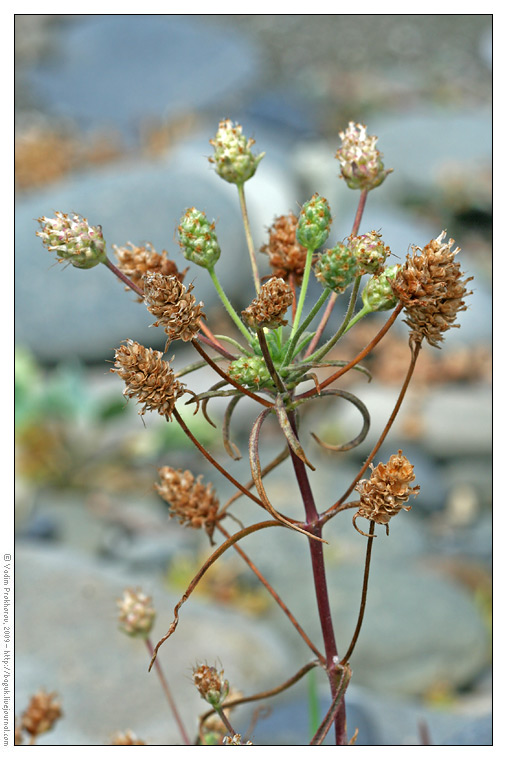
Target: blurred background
(113, 119)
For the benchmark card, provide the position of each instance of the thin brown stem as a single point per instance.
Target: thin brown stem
(169, 696)
(275, 596)
(249, 239)
(343, 677)
(212, 460)
(269, 361)
(216, 344)
(123, 277)
(335, 507)
(227, 377)
(364, 592)
(225, 720)
(359, 356)
(265, 471)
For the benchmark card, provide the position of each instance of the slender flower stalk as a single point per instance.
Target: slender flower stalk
(249, 239)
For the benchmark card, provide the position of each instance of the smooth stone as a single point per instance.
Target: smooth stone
(67, 641)
(120, 69)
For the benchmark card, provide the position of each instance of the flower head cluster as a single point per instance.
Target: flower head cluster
(128, 739)
(387, 490)
(250, 371)
(378, 292)
(197, 238)
(361, 163)
(137, 613)
(431, 287)
(41, 714)
(192, 503)
(370, 252)
(286, 255)
(314, 223)
(73, 239)
(174, 306)
(148, 377)
(233, 159)
(336, 268)
(268, 308)
(137, 261)
(211, 684)
(235, 741)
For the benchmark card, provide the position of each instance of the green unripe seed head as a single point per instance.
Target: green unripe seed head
(378, 294)
(314, 223)
(370, 252)
(250, 371)
(336, 268)
(197, 239)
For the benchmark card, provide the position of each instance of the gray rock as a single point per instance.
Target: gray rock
(124, 69)
(67, 641)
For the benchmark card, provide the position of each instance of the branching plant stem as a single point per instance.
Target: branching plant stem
(169, 696)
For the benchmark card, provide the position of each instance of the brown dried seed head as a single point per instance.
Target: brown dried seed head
(127, 739)
(211, 684)
(431, 288)
(173, 305)
(137, 261)
(136, 613)
(148, 377)
(41, 714)
(268, 308)
(235, 741)
(190, 501)
(286, 255)
(387, 490)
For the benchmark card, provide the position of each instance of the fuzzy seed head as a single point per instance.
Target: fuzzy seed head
(361, 163)
(128, 739)
(250, 371)
(194, 504)
(137, 614)
(268, 308)
(148, 377)
(235, 741)
(431, 287)
(336, 268)
(73, 239)
(197, 239)
(387, 490)
(233, 159)
(174, 306)
(137, 261)
(41, 714)
(314, 223)
(378, 293)
(286, 255)
(370, 252)
(211, 684)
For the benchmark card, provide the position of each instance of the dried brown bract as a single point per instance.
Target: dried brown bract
(268, 308)
(174, 306)
(128, 739)
(148, 377)
(41, 714)
(136, 261)
(286, 255)
(387, 491)
(431, 288)
(190, 501)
